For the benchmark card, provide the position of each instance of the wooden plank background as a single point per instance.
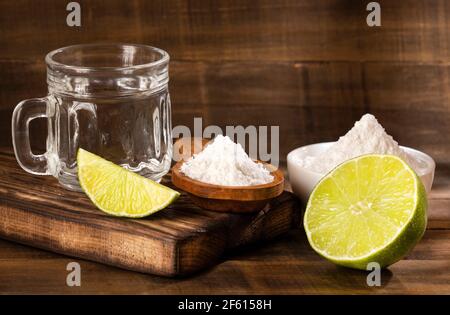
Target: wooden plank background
(311, 67)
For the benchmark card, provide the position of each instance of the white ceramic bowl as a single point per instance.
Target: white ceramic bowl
(303, 180)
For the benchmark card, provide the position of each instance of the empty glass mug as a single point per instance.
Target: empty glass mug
(110, 99)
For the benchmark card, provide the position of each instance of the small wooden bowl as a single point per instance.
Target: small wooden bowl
(236, 199)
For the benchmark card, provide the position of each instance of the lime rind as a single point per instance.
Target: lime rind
(400, 244)
(86, 160)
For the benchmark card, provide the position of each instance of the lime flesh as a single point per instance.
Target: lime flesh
(118, 191)
(368, 209)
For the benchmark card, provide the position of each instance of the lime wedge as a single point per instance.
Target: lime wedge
(119, 192)
(368, 209)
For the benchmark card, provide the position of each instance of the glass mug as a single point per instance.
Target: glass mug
(110, 99)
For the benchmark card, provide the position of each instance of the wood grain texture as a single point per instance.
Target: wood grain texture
(310, 102)
(310, 67)
(179, 240)
(236, 30)
(286, 265)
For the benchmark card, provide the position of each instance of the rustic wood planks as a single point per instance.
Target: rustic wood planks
(310, 67)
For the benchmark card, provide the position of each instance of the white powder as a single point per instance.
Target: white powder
(366, 137)
(224, 162)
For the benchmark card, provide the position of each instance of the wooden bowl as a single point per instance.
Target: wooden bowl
(236, 199)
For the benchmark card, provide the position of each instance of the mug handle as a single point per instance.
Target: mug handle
(25, 112)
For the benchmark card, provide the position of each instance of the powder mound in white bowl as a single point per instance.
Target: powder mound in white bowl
(366, 137)
(225, 163)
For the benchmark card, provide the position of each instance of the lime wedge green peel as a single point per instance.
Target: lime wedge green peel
(368, 209)
(119, 192)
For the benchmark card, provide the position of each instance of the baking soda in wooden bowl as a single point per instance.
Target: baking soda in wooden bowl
(224, 162)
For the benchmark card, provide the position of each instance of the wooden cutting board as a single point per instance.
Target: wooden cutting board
(179, 240)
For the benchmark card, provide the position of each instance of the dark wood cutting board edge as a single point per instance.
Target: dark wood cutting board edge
(239, 234)
(36, 211)
(258, 228)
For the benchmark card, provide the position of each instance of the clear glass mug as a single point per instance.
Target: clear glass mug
(110, 99)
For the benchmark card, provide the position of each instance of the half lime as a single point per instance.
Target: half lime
(369, 209)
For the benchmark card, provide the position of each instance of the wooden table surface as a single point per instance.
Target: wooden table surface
(286, 265)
